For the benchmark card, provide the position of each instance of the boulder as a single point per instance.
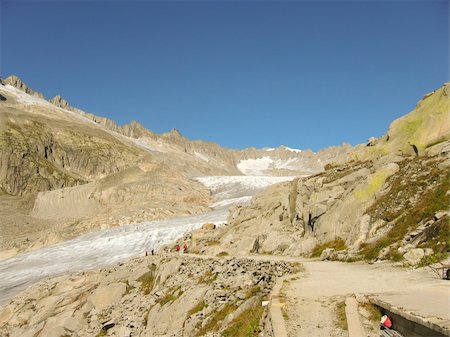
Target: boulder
(414, 256)
(104, 297)
(209, 226)
(327, 253)
(440, 215)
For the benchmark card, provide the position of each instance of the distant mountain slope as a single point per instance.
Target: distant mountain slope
(74, 168)
(105, 147)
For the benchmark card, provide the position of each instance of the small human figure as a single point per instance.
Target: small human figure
(385, 322)
(153, 252)
(178, 248)
(146, 254)
(185, 247)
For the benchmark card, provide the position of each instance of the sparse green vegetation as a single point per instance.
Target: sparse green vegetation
(432, 201)
(253, 291)
(102, 333)
(207, 277)
(431, 259)
(341, 317)
(246, 324)
(171, 295)
(438, 239)
(337, 244)
(216, 318)
(373, 311)
(221, 254)
(147, 281)
(168, 297)
(199, 307)
(283, 300)
(374, 183)
(129, 287)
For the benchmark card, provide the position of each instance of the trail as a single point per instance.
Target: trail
(309, 298)
(313, 297)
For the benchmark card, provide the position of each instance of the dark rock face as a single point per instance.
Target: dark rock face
(2, 98)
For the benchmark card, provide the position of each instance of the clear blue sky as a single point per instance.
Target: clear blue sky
(306, 74)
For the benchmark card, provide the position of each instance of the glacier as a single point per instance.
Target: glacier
(111, 246)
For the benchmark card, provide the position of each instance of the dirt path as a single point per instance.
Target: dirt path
(312, 299)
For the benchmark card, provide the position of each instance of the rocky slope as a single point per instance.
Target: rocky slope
(167, 295)
(391, 203)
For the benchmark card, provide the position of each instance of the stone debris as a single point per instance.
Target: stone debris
(164, 295)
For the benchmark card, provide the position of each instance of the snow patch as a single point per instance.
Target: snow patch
(292, 150)
(288, 164)
(201, 156)
(254, 167)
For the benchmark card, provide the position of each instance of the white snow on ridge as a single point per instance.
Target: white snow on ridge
(256, 167)
(292, 150)
(23, 97)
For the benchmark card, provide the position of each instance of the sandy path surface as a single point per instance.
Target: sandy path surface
(312, 298)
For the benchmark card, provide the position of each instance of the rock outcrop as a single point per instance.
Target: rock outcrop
(61, 102)
(17, 83)
(357, 206)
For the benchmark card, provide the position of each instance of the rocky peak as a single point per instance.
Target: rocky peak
(174, 133)
(135, 129)
(16, 82)
(60, 102)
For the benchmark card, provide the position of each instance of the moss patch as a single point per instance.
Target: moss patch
(341, 317)
(216, 318)
(246, 324)
(147, 281)
(430, 201)
(199, 307)
(373, 311)
(374, 183)
(337, 244)
(208, 277)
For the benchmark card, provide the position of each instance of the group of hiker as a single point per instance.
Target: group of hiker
(178, 248)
